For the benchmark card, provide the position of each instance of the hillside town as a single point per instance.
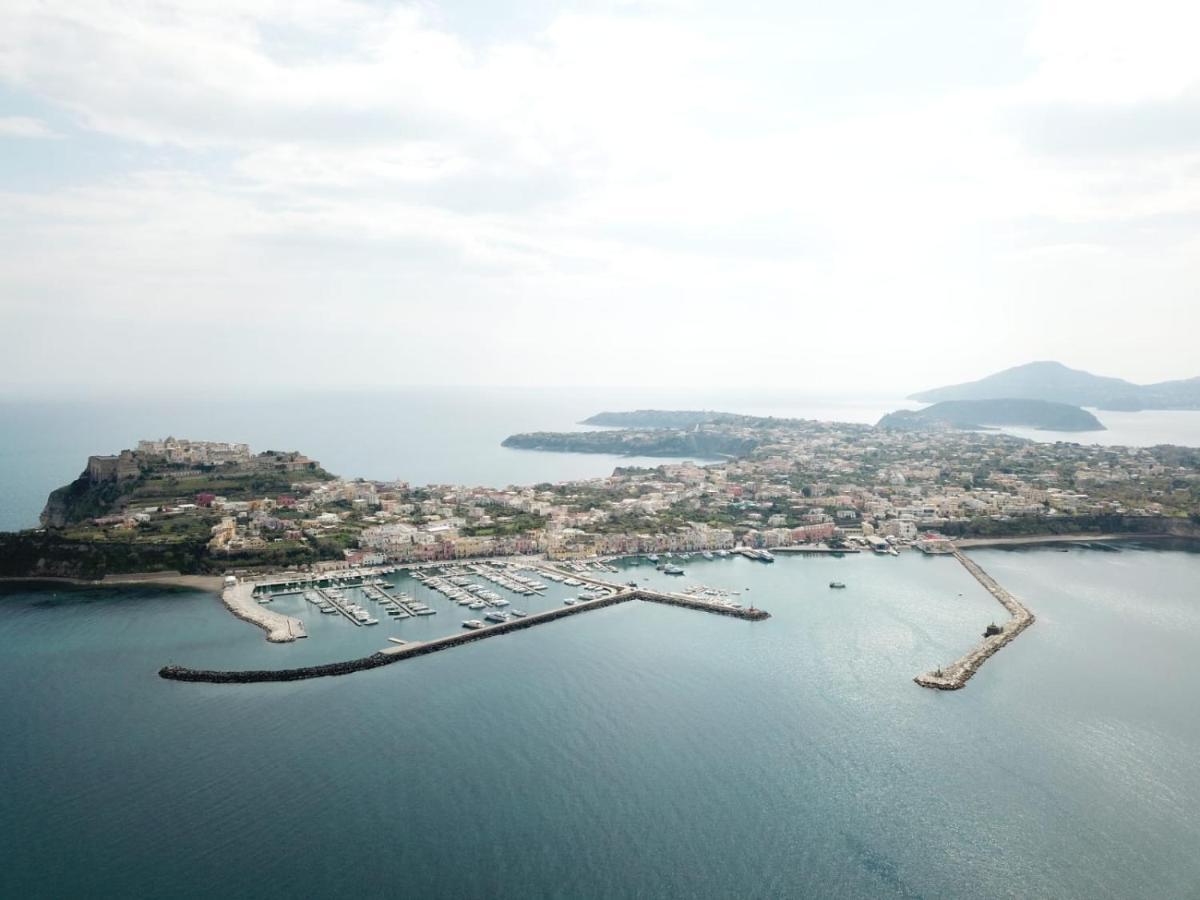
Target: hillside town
(818, 483)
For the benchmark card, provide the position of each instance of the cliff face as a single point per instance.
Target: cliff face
(82, 499)
(29, 554)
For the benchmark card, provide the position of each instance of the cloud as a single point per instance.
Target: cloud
(24, 127)
(725, 178)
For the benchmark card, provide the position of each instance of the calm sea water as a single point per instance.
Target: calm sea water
(424, 436)
(637, 751)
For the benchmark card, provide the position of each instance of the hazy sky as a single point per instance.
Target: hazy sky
(809, 195)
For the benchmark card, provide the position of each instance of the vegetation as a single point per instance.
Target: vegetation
(695, 444)
(977, 413)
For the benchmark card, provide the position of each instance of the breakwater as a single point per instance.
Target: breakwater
(955, 675)
(407, 651)
(280, 629)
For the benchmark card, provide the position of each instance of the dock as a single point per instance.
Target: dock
(955, 675)
(412, 649)
(823, 551)
(239, 598)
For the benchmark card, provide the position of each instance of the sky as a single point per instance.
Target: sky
(812, 196)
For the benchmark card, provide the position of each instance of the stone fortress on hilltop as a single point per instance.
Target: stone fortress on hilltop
(171, 451)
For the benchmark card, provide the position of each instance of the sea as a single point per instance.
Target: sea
(634, 751)
(419, 435)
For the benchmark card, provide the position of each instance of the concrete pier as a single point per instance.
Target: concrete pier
(280, 629)
(955, 675)
(420, 648)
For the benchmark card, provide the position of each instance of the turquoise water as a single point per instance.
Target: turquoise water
(638, 750)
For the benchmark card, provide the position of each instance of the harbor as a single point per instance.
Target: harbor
(482, 598)
(401, 651)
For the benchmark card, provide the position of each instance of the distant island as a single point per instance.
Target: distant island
(655, 418)
(1056, 383)
(976, 414)
(655, 441)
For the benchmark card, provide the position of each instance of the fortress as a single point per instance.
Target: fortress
(113, 468)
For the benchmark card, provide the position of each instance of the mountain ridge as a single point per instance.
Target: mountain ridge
(1053, 382)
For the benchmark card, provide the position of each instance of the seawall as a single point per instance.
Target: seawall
(954, 676)
(280, 629)
(408, 651)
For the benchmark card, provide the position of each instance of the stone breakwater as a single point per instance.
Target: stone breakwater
(407, 651)
(954, 676)
(280, 629)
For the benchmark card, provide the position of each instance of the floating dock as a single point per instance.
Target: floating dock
(954, 676)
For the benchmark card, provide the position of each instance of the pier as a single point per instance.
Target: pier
(954, 676)
(239, 598)
(826, 551)
(420, 648)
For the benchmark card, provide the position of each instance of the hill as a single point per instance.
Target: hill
(1005, 411)
(110, 485)
(1056, 383)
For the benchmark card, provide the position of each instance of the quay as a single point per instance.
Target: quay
(239, 599)
(413, 649)
(801, 548)
(954, 676)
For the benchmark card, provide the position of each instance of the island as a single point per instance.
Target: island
(204, 508)
(253, 524)
(975, 414)
(686, 442)
(1054, 382)
(656, 418)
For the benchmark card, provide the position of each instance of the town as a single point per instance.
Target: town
(804, 484)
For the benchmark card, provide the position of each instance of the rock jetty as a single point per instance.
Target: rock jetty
(955, 675)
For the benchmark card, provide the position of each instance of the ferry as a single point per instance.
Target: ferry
(472, 624)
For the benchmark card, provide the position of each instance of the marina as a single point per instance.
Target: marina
(474, 630)
(478, 589)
